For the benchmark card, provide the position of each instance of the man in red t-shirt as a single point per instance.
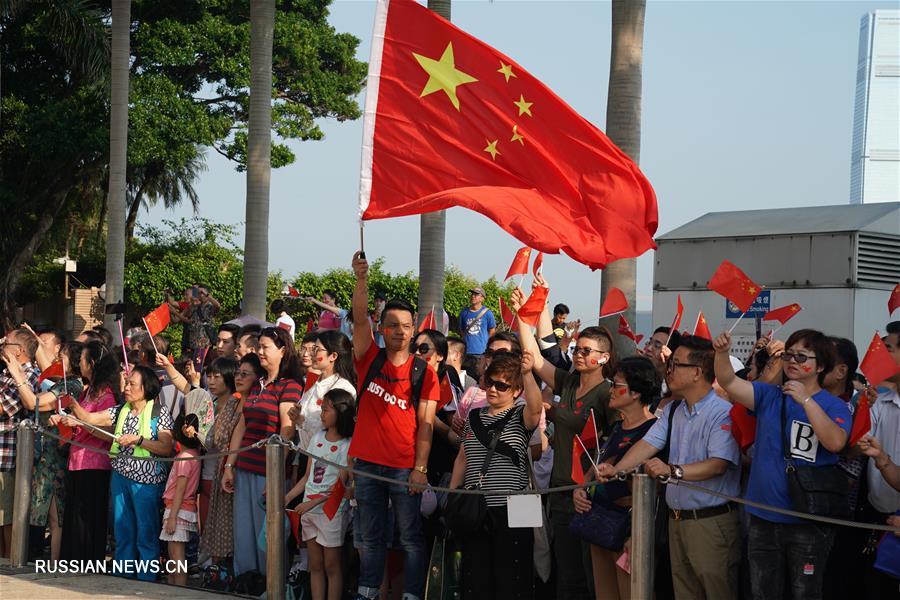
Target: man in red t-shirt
(392, 438)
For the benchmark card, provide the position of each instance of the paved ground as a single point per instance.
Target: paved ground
(25, 584)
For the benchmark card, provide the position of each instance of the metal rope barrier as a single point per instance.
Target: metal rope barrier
(620, 476)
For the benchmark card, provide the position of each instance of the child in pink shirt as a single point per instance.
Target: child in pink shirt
(180, 496)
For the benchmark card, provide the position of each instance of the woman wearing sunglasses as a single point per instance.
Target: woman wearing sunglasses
(799, 424)
(581, 390)
(498, 562)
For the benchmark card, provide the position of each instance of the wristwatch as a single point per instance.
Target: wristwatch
(677, 471)
(421, 469)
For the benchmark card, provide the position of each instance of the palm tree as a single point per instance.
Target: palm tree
(432, 232)
(155, 181)
(259, 154)
(623, 125)
(118, 150)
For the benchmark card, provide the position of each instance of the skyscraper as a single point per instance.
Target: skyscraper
(875, 154)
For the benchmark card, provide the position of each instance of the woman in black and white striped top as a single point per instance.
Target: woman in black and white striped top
(498, 561)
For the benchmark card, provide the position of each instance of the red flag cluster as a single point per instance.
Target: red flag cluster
(446, 127)
(730, 282)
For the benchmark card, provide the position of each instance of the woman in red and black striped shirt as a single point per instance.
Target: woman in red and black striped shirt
(264, 414)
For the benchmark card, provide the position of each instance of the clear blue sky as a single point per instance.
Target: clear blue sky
(745, 105)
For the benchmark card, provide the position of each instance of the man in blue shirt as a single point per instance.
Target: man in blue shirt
(814, 426)
(476, 323)
(704, 535)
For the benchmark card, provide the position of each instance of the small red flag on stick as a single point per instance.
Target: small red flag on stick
(334, 499)
(538, 264)
(730, 282)
(701, 328)
(158, 319)
(506, 313)
(531, 311)
(878, 364)
(519, 264)
(783, 314)
(894, 300)
(862, 419)
(614, 303)
(625, 329)
(54, 370)
(428, 322)
(292, 292)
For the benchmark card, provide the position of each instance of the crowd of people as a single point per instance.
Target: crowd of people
(495, 407)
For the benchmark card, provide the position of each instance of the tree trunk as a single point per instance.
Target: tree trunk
(623, 126)
(259, 154)
(432, 232)
(133, 210)
(118, 156)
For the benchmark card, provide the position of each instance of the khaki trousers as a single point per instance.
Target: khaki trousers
(705, 555)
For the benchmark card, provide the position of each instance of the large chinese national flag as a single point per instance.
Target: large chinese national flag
(450, 121)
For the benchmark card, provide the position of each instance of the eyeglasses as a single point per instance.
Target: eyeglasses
(672, 365)
(421, 349)
(619, 384)
(585, 351)
(317, 349)
(500, 386)
(243, 374)
(306, 350)
(797, 357)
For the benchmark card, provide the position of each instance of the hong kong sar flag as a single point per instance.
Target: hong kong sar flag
(450, 121)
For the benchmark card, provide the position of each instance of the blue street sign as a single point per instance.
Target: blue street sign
(760, 306)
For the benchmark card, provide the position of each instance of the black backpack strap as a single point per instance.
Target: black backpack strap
(417, 379)
(489, 437)
(668, 447)
(374, 369)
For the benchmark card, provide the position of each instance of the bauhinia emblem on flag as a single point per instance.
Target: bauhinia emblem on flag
(519, 264)
(701, 328)
(450, 121)
(614, 303)
(878, 364)
(730, 282)
(783, 314)
(625, 329)
(158, 319)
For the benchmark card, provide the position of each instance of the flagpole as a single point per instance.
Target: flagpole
(93, 427)
(151, 335)
(122, 339)
(736, 323)
(671, 329)
(362, 241)
(65, 386)
(586, 451)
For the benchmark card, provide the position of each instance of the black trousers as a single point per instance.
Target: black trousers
(85, 515)
(498, 564)
(571, 556)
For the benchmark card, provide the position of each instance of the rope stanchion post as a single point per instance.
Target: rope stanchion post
(275, 543)
(643, 502)
(18, 556)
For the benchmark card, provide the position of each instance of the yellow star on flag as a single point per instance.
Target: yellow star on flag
(506, 71)
(516, 136)
(524, 107)
(492, 149)
(443, 75)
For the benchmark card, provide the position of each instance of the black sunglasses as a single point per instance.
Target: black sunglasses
(489, 354)
(500, 386)
(422, 348)
(796, 357)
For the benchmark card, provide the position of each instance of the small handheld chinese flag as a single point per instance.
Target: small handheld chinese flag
(589, 432)
(783, 314)
(53, 371)
(894, 300)
(679, 312)
(878, 364)
(429, 322)
(506, 313)
(292, 292)
(614, 303)
(294, 519)
(451, 121)
(310, 325)
(701, 328)
(862, 420)
(538, 264)
(519, 264)
(158, 319)
(743, 426)
(334, 499)
(730, 282)
(531, 311)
